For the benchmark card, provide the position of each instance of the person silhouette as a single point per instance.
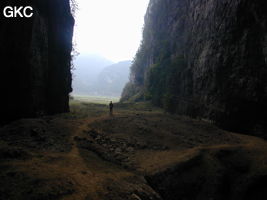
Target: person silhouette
(110, 108)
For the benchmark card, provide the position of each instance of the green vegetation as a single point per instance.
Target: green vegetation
(162, 88)
(131, 93)
(157, 75)
(162, 80)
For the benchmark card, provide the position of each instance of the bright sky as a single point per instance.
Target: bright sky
(110, 28)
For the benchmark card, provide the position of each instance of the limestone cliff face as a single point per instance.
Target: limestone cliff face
(35, 55)
(205, 58)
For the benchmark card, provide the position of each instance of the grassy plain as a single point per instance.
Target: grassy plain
(95, 99)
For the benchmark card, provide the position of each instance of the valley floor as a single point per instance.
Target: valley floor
(139, 153)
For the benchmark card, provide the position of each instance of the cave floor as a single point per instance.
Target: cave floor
(140, 152)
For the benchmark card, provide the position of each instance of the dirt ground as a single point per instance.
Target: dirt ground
(139, 153)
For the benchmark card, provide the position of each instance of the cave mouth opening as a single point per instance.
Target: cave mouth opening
(105, 33)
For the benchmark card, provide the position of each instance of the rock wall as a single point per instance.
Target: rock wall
(35, 55)
(207, 59)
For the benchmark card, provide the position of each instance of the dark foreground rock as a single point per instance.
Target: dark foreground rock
(141, 155)
(35, 56)
(182, 158)
(218, 174)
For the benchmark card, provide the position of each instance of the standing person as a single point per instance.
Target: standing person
(110, 108)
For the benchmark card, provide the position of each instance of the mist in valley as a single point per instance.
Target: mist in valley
(107, 42)
(97, 76)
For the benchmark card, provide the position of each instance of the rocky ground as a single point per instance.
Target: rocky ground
(140, 153)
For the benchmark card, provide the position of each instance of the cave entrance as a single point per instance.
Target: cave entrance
(107, 35)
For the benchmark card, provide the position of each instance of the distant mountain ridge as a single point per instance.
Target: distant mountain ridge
(112, 79)
(87, 68)
(97, 76)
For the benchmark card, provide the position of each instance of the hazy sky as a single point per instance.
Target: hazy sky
(111, 28)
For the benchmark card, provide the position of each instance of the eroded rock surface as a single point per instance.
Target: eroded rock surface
(205, 59)
(35, 59)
